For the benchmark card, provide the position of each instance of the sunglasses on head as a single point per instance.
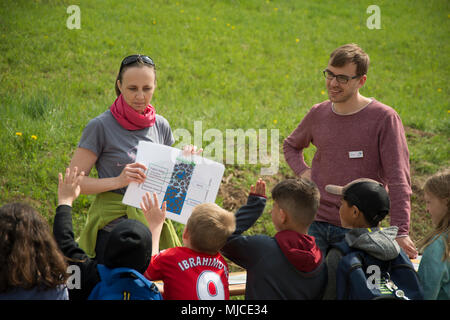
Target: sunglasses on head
(137, 57)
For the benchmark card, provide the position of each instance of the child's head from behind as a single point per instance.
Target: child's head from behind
(364, 203)
(129, 245)
(29, 255)
(295, 203)
(437, 198)
(208, 228)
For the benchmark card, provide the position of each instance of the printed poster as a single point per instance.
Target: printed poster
(183, 182)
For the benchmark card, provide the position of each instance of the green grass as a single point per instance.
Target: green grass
(229, 64)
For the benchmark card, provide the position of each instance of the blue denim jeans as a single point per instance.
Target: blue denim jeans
(325, 234)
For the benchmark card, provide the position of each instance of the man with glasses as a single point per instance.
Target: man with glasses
(355, 137)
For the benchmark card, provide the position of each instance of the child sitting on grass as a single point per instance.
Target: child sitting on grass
(289, 265)
(196, 271)
(434, 267)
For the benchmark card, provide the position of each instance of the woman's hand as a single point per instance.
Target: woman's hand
(85, 159)
(133, 172)
(191, 150)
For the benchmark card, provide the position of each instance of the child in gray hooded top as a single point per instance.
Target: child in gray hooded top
(364, 204)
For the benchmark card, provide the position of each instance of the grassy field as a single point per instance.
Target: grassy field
(229, 64)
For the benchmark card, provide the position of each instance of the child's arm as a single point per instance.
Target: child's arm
(247, 215)
(155, 217)
(68, 190)
(243, 249)
(69, 186)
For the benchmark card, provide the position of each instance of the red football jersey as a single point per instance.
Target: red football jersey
(190, 275)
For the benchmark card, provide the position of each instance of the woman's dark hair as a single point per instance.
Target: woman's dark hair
(135, 60)
(29, 255)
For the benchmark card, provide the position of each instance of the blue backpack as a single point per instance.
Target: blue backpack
(360, 276)
(123, 284)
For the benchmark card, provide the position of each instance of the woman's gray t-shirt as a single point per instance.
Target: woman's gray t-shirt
(116, 147)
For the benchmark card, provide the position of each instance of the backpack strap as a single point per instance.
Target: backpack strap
(351, 259)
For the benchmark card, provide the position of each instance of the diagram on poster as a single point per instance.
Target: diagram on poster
(181, 181)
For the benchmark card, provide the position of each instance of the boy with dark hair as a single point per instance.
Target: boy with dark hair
(364, 204)
(288, 265)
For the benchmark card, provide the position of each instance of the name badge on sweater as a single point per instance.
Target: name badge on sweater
(355, 154)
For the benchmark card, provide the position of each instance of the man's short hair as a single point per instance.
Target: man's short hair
(299, 198)
(350, 53)
(209, 227)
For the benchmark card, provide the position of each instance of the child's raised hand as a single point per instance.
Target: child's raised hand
(259, 189)
(69, 186)
(154, 215)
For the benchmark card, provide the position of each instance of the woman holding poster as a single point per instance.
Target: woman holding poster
(109, 142)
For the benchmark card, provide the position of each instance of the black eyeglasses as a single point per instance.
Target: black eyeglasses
(137, 57)
(341, 78)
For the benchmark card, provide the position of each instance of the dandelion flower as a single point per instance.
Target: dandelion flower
(275, 121)
(33, 137)
(275, 9)
(233, 27)
(297, 40)
(439, 90)
(19, 134)
(214, 19)
(322, 92)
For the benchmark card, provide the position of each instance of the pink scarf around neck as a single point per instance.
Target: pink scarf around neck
(129, 118)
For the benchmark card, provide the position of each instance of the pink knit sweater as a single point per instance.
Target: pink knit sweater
(368, 144)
